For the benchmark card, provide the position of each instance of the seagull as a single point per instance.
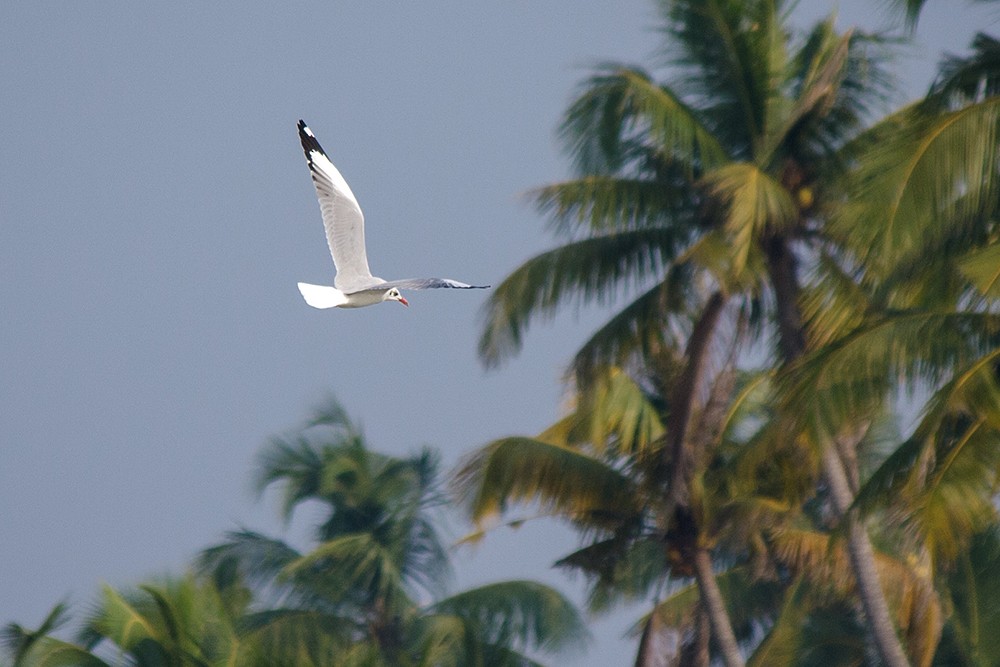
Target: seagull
(354, 284)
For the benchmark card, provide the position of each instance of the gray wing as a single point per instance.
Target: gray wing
(342, 217)
(427, 283)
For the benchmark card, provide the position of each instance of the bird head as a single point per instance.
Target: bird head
(394, 295)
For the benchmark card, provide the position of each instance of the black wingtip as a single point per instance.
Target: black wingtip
(308, 139)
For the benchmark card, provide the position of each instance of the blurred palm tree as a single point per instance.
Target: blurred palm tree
(370, 589)
(177, 622)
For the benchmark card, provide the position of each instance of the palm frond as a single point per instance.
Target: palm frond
(332, 414)
(48, 651)
(956, 501)
(970, 78)
(122, 621)
(939, 484)
(622, 569)
(522, 614)
(257, 558)
(822, 64)
(619, 105)
(589, 270)
(910, 10)
(824, 562)
(656, 320)
(352, 564)
(728, 53)
(559, 478)
(296, 463)
(443, 641)
(833, 304)
(614, 414)
(864, 86)
(852, 375)
(755, 205)
(502, 656)
(922, 176)
(782, 645)
(974, 590)
(601, 204)
(19, 640)
(713, 252)
(982, 268)
(289, 636)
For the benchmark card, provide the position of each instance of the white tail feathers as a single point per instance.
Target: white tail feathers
(322, 296)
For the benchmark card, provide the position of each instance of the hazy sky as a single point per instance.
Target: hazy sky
(156, 212)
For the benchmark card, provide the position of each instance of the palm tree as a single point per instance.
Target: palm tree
(177, 622)
(719, 177)
(369, 590)
(600, 467)
(920, 234)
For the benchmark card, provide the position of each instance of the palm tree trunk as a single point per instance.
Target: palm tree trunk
(683, 466)
(701, 655)
(782, 268)
(862, 555)
(698, 653)
(682, 398)
(718, 616)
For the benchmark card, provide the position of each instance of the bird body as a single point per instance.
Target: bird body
(324, 296)
(354, 285)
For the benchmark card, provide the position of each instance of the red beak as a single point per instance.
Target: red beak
(404, 301)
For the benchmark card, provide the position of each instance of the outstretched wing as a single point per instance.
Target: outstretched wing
(427, 283)
(342, 217)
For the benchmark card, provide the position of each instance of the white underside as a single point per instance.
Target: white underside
(324, 296)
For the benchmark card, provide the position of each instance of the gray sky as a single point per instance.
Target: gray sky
(156, 212)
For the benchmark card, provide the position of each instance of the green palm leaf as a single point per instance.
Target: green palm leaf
(623, 102)
(36, 648)
(974, 589)
(615, 414)
(626, 568)
(588, 270)
(603, 204)
(355, 563)
(258, 558)
(755, 203)
(19, 640)
(834, 304)
(51, 652)
(727, 65)
(122, 622)
(970, 78)
(285, 636)
(443, 641)
(782, 645)
(822, 65)
(654, 321)
(982, 268)
(851, 376)
(523, 614)
(925, 173)
(559, 478)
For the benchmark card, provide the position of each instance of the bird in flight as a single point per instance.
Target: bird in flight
(354, 285)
